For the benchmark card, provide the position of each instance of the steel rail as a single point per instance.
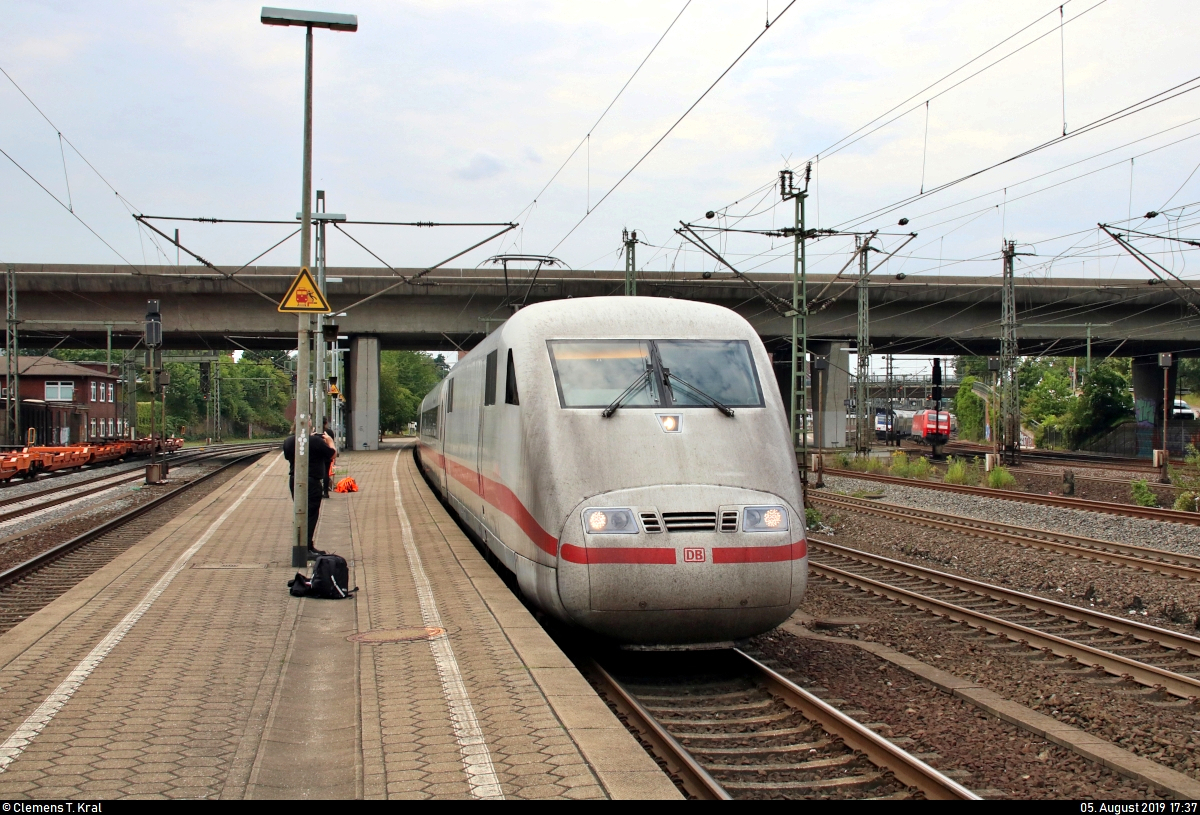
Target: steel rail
(1046, 456)
(1142, 558)
(695, 778)
(882, 753)
(22, 570)
(1126, 510)
(113, 479)
(1174, 683)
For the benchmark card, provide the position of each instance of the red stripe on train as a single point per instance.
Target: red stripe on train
(502, 498)
(759, 554)
(592, 554)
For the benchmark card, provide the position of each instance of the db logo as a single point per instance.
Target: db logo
(693, 555)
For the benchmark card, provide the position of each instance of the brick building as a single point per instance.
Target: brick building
(69, 402)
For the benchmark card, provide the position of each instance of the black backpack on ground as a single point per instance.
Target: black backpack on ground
(331, 578)
(299, 586)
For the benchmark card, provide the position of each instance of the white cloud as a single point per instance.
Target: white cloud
(479, 167)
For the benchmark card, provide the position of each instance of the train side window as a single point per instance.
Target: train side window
(510, 383)
(489, 379)
(450, 396)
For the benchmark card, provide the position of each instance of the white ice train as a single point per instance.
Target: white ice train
(629, 459)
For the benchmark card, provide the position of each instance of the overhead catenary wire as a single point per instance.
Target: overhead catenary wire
(73, 213)
(587, 138)
(671, 129)
(1140, 106)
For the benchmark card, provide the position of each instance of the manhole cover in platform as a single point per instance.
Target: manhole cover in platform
(381, 635)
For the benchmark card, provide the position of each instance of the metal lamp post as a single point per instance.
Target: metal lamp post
(152, 337)
(334, 22)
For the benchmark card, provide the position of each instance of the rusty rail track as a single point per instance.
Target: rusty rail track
(665, 718)
(1126, 510)
(1078, 634)
(46, 558)
(62, 493)
(1142, 558)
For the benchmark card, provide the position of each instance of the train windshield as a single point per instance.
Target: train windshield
(721, 369)
(593, 373)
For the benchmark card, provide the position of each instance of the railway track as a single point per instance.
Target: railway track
(1144, 558)
(28, 586)
(31, 502)
(730, 727)
(1074, 459)
(1148, 655)
(1127, 510)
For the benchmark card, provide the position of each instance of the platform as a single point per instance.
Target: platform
(184, 669)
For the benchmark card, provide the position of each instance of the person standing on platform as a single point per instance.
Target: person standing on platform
(320, 455)
(327, 483)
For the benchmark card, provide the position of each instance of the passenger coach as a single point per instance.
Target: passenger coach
(629, 459)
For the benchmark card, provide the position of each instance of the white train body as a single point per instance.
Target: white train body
(667, 522)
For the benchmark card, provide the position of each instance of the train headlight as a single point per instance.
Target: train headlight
(764, 519)
(610, 521)
(670, 422)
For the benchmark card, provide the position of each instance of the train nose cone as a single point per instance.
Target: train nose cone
(692, 571)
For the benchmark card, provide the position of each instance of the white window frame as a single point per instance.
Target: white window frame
(58, 390)
(110, 391)
(92, 393)
(92, 435)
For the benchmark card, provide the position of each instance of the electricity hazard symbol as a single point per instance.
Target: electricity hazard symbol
(304, 296)
(693, 555)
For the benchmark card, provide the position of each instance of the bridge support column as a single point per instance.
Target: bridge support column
(1148, 404)
(829, 416)
(362, 426)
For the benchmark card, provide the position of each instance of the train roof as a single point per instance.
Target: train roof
(632, 317)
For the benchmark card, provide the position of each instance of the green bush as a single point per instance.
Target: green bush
(1001, 479)
(960, 472)
(920, 468)
(874, 465)
(1185, 501)
(812, 518)
(1143, 496)
(900, 465)
(843, 460)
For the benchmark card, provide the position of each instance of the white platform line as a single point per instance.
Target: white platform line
(23, 736)
(476, 758)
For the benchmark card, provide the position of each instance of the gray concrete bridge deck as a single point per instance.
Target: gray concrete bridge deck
(452, 308)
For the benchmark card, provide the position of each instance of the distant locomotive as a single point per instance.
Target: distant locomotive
(640, 483)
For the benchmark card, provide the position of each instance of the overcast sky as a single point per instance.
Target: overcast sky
(464, 110)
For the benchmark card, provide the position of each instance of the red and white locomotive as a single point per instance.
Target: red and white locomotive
(629, 459)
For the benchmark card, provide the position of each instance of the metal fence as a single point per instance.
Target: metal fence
(1134, 440)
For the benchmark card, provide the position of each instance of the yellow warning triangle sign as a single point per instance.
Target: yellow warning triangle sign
(333, 391)
(304, 295)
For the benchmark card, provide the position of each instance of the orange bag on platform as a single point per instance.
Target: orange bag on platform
(346, 485)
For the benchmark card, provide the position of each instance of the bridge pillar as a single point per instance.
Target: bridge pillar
(831, 394)
(1148, 402)
(362, 426)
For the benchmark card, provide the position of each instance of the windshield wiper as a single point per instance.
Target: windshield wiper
(668, 376)
(643, 379)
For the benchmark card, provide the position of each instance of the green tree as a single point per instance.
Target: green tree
(1050, 395)
(404, 379)
(972, 366)
(970, 411)
(1104, 401)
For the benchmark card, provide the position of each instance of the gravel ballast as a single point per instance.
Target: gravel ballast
(1157, 534)
(1141, 720)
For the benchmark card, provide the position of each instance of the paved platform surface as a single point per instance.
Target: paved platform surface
(184, 669)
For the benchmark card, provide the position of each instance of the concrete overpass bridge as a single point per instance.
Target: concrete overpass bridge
(452, 309)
